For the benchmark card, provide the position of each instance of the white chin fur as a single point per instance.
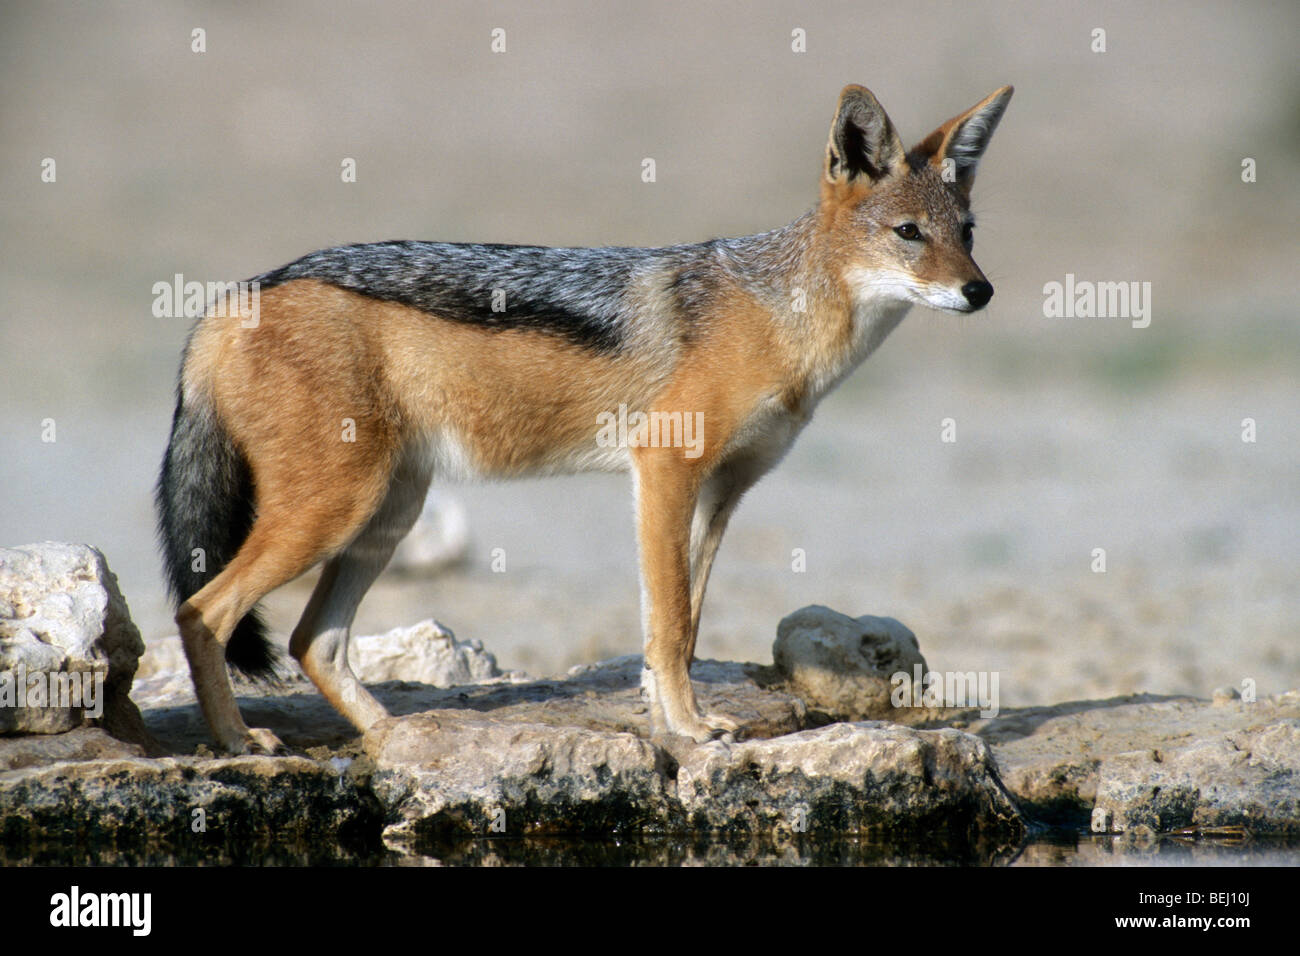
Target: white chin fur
(946, 300)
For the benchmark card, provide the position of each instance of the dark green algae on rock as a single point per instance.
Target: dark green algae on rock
(185, 809)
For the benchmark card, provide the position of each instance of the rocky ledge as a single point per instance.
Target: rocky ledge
(469, 752)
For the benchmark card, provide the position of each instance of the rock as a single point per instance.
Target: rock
(843, 666)
(163, 678)
(453, 774)
(571, 756)
(162, 655)
(539, 758)
(65, 628)
(1247, 779)
(439, 538)
(1166, 763)
(447, 774)
(228, 808)
(83, 743)
(1225, 695)
(850, 778)
(426, 652)
(605, 696)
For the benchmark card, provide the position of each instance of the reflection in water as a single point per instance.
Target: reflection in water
(1057, 848)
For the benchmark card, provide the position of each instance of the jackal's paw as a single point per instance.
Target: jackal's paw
(258, 740)
(709, 726)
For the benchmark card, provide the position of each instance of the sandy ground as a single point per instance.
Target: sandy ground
(1071, 434)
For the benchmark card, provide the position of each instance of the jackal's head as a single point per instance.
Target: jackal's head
(897, 223)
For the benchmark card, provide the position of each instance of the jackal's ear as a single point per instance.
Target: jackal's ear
(963, 139)
(863, 141)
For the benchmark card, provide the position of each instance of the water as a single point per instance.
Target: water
(1055, 848)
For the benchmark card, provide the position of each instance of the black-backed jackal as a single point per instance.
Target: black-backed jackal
(312, 436)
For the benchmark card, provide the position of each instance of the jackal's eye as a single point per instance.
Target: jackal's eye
(908, 230)
(968, 233)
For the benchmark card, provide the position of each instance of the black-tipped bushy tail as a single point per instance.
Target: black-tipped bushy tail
(205, 501)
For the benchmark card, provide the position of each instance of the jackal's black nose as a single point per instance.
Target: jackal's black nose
(977, 294)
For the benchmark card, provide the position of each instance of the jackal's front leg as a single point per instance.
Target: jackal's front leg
(666, 497)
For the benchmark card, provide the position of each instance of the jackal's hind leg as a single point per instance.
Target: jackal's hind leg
(320, 641)
(279, 548)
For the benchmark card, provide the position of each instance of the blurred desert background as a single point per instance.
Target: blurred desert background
(1072, 434)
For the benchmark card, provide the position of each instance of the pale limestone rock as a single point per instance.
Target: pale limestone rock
(61, 613)
(427, 652)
